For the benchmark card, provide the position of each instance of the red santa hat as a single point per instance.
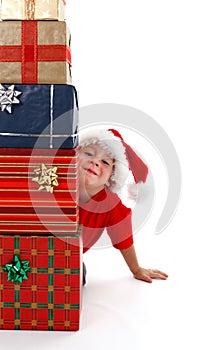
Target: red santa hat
(125, 157)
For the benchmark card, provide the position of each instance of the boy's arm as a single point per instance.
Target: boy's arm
(138, 272)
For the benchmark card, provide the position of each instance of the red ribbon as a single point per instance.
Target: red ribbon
(30, 53)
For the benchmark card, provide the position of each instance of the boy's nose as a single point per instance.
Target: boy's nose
(96, 162)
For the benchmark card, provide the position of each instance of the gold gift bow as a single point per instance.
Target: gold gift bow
(30, 9)
(46, 177)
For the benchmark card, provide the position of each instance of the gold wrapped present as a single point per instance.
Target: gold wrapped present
(33, 10)
(35, 52)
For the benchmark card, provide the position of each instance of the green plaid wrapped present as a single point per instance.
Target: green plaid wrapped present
(40, 282)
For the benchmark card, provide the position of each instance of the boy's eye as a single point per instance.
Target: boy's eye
(105, 162)
(88, 154)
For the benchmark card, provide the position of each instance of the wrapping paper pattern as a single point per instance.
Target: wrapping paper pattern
(35, 52)
(24, 210)
(33, 9)
(50, 298)
(45, 117)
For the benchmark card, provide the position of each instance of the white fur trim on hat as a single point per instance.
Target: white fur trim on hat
(113, 145)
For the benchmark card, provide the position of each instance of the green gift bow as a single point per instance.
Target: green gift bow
(17, 270)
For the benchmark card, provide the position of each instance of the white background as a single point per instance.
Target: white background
(155, 56)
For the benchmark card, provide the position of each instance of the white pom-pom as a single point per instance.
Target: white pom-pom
(132, 189)
(138, 191)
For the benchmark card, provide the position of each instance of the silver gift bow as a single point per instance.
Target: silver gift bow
(8, 97)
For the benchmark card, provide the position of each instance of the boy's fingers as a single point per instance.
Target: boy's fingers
(147, 275)
(161, 272)
(144, 278)
(158, 274)
(147, 279)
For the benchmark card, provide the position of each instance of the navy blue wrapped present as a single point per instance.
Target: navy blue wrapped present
(38, 116)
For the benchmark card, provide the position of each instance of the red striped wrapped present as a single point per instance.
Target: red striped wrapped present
(35, 52)
(38, 191)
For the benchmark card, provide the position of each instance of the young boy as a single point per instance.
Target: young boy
(104, 163)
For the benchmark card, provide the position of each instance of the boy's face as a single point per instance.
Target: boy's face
(95, 167)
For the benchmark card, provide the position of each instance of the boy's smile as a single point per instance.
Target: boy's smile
(90, 171)
(95, 168)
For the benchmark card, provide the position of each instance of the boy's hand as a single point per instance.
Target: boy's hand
(138, 272)
(147, 275)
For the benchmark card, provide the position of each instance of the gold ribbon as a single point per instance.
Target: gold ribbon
(30, 9)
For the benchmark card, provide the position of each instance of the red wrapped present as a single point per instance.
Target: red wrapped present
(35, 52)
(38, 191)
(40, 283)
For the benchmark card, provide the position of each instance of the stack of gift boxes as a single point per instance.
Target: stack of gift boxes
(40, 277)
